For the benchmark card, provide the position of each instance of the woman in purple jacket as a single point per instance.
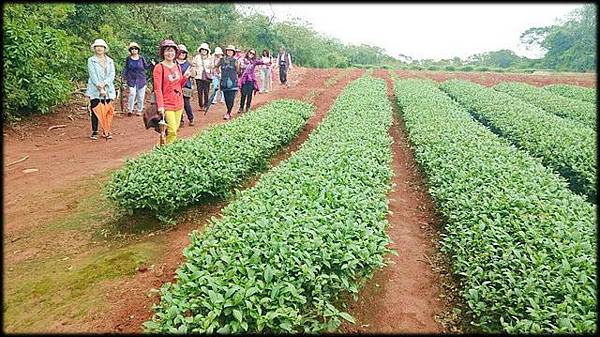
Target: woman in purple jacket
(248, 83)
(134, 73)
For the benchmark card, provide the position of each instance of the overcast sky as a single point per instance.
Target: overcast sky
(432, 31)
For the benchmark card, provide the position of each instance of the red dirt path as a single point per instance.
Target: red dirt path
(403, 296)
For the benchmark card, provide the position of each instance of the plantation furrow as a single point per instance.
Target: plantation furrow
(563, 145)
(403, 297)
(210, 164)
(311, 228)
(583, 112)
(523, 244)
(574, 92)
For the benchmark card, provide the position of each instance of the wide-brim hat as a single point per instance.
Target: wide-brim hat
(230, 47)
(99, 42)
(133, 44)
(218, 51)
(167, 43)
(182, 48)
(204, 45)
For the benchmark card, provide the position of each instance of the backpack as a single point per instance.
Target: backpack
(228, 73)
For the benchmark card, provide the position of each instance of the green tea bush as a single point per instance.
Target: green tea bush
(208, 165)
(563, 145)
(573, 92)
(583, 112)
(523, 245)
(311, 229)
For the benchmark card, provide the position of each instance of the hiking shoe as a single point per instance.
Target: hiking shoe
(129, 114)
(191, 123)
(107, 136)
(94, 136)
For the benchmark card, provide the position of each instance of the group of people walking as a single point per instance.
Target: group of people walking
(218, 77)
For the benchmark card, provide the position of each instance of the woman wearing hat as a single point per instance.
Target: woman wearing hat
(101, 70)
(229, 68)
(168, 87)
(187, 88)
(203, 64)
(217, 75)
(134, 73)
(248, 79)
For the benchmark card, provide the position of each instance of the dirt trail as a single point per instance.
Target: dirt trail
(66, 155)
(403, 297)
(126, 301)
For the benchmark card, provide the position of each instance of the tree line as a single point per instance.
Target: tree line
(46, 45)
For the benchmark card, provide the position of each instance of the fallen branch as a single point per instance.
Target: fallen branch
(57, 126)
(18, 161)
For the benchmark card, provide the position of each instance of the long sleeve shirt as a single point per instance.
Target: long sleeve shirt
(184, 66)
(203, 64)
(134, 72)
(248, 66)
(168, 87)
(100, 74)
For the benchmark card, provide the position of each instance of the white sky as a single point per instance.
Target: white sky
(432, 31)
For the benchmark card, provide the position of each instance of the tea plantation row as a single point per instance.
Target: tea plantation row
(563, 145)
(311, 229)
(522, 242)
(210, 164)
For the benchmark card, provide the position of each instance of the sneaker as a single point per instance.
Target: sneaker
(107, 136)
(240, 111)
(247, 109)
(181, 124)
(129, 114)
(138, 113)
(221, 101)
(191, 123)
(227, 116)
(94, 136)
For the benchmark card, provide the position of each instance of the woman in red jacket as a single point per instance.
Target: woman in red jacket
(168, 87)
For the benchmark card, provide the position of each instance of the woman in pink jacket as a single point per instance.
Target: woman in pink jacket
(248, 83)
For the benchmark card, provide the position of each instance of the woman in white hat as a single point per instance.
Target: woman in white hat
(217, 75)
(183, 62)
(134, 73)
(229, 68)
(203, 64)
(101, 70)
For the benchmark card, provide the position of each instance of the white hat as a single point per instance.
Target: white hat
(182, 48)
(204, 45)
(133, 44)
(218, 51)
(100, 42)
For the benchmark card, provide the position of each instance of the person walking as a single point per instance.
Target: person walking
(168, 87)
(248, 81)
(101, 71)
(203, 64)
(134, 73)
(182, 55)
(284, 61)
(229, 68)
(265, 71)
(216, 82)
